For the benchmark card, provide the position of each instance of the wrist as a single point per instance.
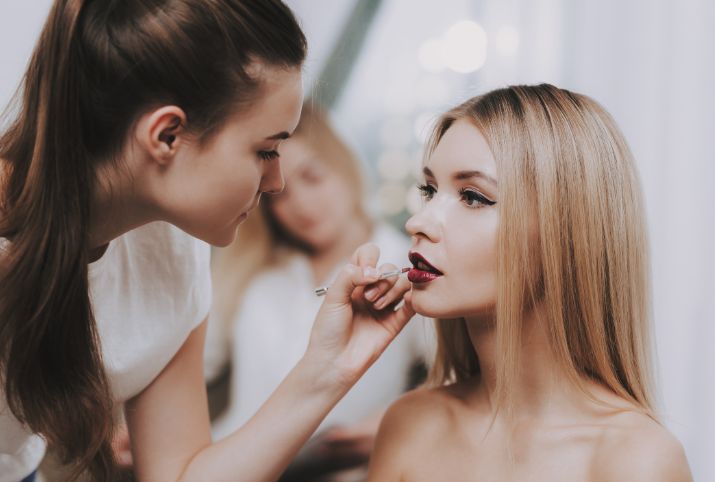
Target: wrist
(326, 376)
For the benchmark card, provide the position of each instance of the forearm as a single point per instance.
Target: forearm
(266, 444)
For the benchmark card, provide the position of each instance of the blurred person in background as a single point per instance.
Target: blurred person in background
(264, 301)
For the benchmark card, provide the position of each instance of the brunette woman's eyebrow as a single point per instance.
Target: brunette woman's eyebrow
(280, 136)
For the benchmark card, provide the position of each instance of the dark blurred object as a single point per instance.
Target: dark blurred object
(417, 375)
(218, 392)
(324, 459)
(328, 455)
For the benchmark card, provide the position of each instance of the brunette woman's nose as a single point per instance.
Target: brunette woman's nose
(272, 181)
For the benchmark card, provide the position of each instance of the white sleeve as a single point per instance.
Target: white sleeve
(201, 291)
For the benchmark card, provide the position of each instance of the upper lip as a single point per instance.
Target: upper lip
(418, 258)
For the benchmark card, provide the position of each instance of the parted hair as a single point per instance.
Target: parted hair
(571, 236)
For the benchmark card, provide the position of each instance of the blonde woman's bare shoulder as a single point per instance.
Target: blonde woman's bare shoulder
(412, 425)
(422, 410)
(637, 448)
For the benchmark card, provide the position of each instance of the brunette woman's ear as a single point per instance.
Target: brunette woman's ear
(167, 138)
(159, 132)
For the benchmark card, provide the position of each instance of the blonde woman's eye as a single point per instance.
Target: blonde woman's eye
(268, 155)
(474, 199)
(426, 191)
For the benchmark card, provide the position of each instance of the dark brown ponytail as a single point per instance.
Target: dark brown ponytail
(96, 67)
(54, 381)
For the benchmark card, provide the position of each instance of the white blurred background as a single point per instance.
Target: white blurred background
(387, 67)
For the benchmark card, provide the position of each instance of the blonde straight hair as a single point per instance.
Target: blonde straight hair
(257, 246)
(572, 236)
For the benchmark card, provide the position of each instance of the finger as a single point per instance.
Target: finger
(397, 320)
(349, 435)
(350, 277)
(393, 295)
(376, 290)
(366, 255)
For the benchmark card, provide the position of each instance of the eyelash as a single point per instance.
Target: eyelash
(469, 195)
(268, 155)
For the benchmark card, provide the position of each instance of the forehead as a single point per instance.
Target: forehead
(462, 148)
(277, 106)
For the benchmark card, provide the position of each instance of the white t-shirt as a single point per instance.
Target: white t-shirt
(270, 333)
(149, 290)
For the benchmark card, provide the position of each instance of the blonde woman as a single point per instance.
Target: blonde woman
(265, 300)
(530, 253)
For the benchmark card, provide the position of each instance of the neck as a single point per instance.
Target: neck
(541, 387)
(118, 206)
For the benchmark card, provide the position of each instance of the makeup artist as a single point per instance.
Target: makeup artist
(143, 125)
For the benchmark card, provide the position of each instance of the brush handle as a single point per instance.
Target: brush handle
(323, 290)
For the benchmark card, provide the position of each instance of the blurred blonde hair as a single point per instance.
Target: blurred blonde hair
(257, 246)
(572, 235)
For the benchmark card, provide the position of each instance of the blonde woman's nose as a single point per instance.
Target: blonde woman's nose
(423, 224)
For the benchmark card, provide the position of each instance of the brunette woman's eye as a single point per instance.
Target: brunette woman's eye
(427, 191)
(474, 199)
(268, 155)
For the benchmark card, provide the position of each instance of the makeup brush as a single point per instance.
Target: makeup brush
(321, 291)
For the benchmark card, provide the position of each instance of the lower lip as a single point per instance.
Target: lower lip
(419, 276)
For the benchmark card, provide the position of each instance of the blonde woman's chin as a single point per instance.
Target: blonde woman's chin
(431, 306)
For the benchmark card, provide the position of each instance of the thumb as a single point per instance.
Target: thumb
(397, 320)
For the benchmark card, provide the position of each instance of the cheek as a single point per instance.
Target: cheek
(236, 189)
(475, 247)
(469, 288)
(283, 212)
(327, 201)
(340, 199)
(476, 282)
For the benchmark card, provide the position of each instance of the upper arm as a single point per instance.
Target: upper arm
(168, 421)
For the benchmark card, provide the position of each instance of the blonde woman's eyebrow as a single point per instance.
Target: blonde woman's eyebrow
(464, 175)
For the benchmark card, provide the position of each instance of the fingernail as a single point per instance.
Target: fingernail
(371, 272)
(380, 304)
(371, 294)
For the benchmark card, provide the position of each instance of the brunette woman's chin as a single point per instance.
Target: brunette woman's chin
(219, 237)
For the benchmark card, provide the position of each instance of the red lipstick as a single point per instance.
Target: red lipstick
(422, 271)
